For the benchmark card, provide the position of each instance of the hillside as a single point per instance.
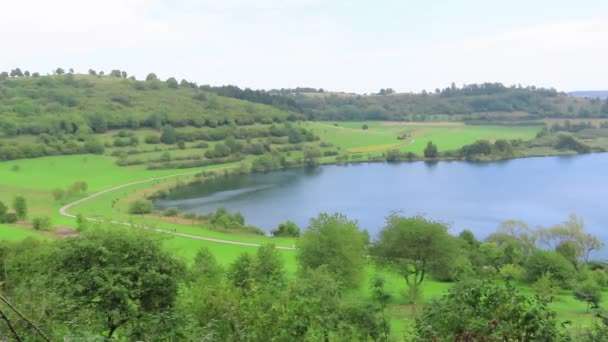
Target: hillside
(74, 114)
(85, 103)
(488, 101)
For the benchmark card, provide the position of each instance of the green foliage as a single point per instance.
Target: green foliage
(168, 135)
(382, 299)
(10, 218)
(206, 266)
(569, 142)
(75, 189)
(472, 101)
(431, 151)
(546, 288)
(82, 224)
(513, 272)
(69, 108)
(112, 278)
(172, 83)
(20, 207)
(42, 223)
(541, 262)
(268, 162)
(3, 212)
(334, 242)
(311, 156)
(414, 246)
(590, 292)
(171, 212)
(140, 207)
(482, 311)
(287, 228)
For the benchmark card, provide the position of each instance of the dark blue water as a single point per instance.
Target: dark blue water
(476, 196)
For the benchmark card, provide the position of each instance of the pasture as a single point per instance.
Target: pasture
(380, 136)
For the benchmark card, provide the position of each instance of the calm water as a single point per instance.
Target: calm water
(477, 196)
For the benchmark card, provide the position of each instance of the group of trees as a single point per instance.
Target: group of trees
(48, 145)
(72, 109)
(123, 284)
(109, 284)
(469, 101)
(19, 212)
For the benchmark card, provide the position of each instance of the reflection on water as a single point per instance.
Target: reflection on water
(477, 196)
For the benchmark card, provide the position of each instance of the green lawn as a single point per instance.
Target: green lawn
(379, 136)
(11, 233)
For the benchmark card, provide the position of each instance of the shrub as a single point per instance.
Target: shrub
(152, 139)
(512, 272)
(541, 262)
(171, 212)
(42, 223)
(140, 207)
(482, 311)
(10, 218)
(287, 228)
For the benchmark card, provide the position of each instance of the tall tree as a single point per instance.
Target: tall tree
(114, 278)
(20, 207)
(335, 242)
(413, 245)
(431, 150)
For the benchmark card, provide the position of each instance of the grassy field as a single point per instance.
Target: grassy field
(383, 135)
(12, 233)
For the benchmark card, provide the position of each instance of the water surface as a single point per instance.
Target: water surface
(477, 196)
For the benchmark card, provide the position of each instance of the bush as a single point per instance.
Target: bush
(287, 228)
(541, 262)
(171, 212)
(590, 292)
(512, 272)
(10, 218)
(42, 223)
(482, 311)
(152, 139)
(140, 207)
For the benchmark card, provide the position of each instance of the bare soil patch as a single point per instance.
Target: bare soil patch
(63, 232)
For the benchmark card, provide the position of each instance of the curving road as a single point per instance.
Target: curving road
(64, 212)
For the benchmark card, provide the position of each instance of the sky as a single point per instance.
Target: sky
(339, 45)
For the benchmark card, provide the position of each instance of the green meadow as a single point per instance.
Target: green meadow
(382, 135)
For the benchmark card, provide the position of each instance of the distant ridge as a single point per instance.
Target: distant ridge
(602, 94)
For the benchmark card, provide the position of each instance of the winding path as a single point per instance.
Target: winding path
(64, 212)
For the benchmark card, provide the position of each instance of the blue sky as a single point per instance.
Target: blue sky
(358, 46)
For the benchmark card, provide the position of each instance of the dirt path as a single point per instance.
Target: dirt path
(64, 212)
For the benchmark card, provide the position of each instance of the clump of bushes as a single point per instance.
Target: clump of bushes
(171, 212)
(222, 219)
(42, 223)
(140, 207)
(286, 229)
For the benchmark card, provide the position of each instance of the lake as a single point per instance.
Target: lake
(475, 196)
